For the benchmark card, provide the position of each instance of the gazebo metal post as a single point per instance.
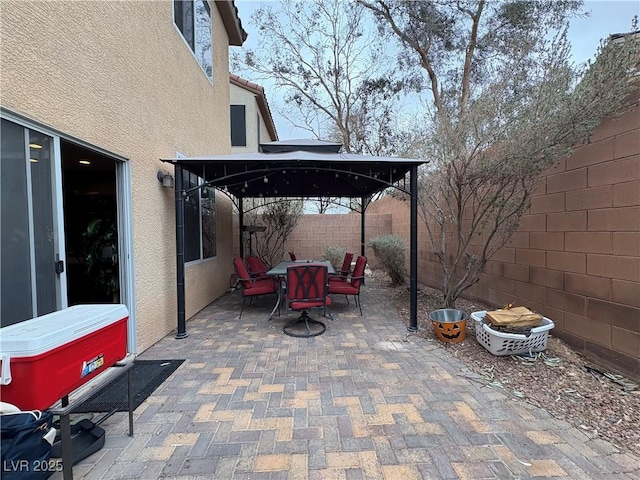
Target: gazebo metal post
(362, 226)
(413, 260)
(182, 328)
(241, 225)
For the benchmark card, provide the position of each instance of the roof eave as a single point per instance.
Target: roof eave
(261, 100)
(266, 115)
(231, 21)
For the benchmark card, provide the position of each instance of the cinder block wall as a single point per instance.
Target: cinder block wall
(576, 255)
(315, 232)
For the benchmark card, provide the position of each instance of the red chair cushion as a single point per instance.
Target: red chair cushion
(343, 288)
(346, 263)
(261, 287)
(256, 265)
(241, 270)
(337, 279)
(302, 305)
(358, 271)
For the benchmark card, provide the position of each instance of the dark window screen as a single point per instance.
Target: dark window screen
(183, 17)
(238, 126)
(191, 219)
(208, 205)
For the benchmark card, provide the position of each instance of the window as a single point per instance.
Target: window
(238, 126)
(193, 19)
(199, 220)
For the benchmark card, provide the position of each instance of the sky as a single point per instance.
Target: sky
(606, 17)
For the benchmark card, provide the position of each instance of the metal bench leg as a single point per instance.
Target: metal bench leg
(67, 452)
(130, 399)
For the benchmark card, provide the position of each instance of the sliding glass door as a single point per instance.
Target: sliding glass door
(33, 278)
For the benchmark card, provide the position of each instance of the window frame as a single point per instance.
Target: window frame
(238, 131)
(191, 180)
(192, 42)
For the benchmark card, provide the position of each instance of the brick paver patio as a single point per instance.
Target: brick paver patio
(366, 400)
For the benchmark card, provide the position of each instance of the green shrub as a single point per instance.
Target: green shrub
(390, 252)
(335, 255)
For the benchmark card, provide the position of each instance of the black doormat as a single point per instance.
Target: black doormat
(146, 376)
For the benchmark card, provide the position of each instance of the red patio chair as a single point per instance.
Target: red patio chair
(252, 287)
(342, 274)
(292, 256)
(307, 287)
(257, 268)
(353, 283)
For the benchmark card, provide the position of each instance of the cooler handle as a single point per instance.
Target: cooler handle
(6, 370)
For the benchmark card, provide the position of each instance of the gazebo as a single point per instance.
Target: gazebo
(298, 169)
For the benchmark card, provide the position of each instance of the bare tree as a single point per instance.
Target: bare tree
(506, 104)
(324, 58)
(280, 216)
(323, 205)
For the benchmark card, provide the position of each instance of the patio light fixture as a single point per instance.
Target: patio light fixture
(166, 179)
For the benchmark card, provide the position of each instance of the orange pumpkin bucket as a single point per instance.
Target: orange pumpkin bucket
(449, 325)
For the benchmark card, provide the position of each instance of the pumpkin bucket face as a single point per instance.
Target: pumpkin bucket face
(449, 325)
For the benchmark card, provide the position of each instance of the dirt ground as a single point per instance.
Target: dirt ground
(600, 402)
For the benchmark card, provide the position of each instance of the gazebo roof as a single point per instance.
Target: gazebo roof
(305, 144)
(297, 169)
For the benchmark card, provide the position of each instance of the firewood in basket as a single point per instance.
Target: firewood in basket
(526, 331)
(515, 317)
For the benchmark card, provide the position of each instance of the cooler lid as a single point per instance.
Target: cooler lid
(44, 333)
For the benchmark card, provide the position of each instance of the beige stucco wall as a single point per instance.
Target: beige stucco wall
(241, 96)
(265, 137)
(119, 76)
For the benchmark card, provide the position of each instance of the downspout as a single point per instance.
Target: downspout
(182, 328)
(413, 259)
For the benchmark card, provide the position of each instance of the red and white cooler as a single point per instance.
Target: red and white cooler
(46, 358)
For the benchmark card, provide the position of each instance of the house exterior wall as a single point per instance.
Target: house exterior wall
(258, 129)
(240, 96)
(265, 136)
(119, 76)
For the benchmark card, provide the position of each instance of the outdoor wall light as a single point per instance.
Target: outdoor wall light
(165, 179)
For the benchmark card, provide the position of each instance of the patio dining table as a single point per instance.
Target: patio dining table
(280, 272)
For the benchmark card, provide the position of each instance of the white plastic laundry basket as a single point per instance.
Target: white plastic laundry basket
(500, 343)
